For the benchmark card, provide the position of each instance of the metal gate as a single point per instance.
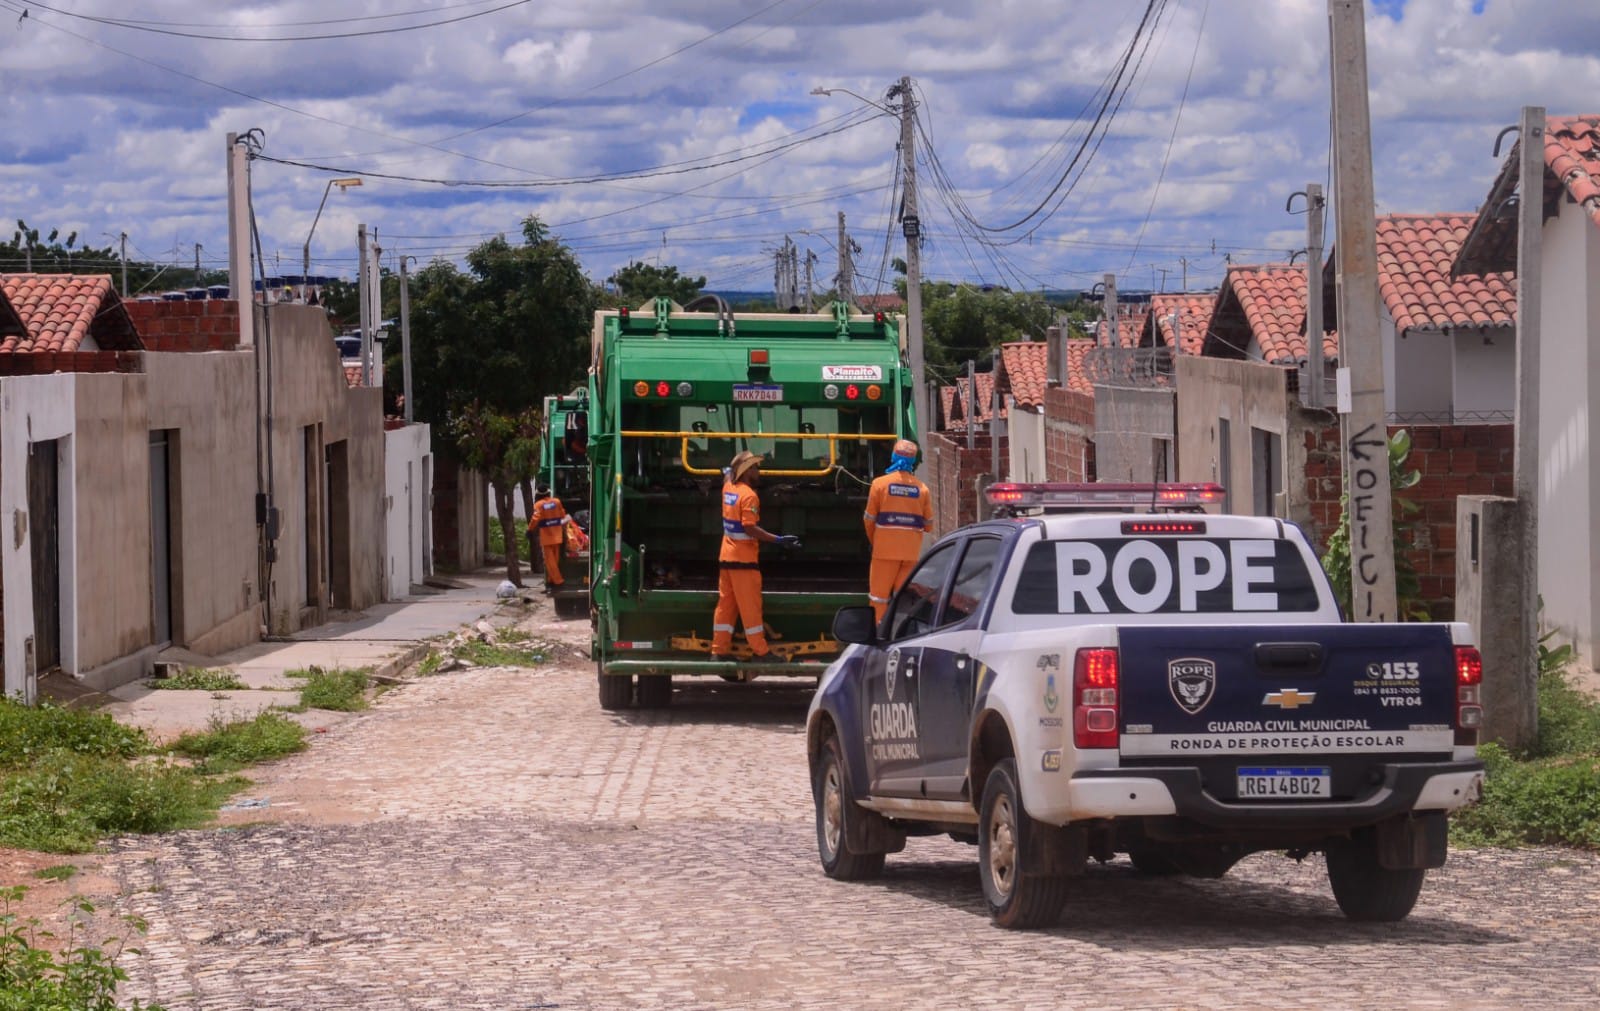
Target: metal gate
(45, 544)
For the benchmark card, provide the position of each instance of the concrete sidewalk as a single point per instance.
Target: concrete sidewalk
(386, 638)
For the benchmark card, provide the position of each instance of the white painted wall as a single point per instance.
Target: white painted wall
(1025, 450)
(1485, 371)
(1569, 380)
(1423, 378)
(408, 507)
(35, 409)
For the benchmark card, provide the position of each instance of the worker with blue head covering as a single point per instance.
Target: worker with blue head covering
(899, 512)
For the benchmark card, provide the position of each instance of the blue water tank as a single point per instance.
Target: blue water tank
(218, 291)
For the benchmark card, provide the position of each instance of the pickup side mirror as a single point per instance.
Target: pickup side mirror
(855, 625)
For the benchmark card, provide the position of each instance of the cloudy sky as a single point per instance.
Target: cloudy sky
(686, 131)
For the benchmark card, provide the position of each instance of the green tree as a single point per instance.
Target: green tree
(961, 322)
(638, 282)
(49, 253)
(488, 344)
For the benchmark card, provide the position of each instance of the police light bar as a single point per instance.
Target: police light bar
(1009, 497)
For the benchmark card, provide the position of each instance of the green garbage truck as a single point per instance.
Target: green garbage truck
(564, 467)
(674, 393)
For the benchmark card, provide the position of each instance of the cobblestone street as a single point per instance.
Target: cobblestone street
(491, 839)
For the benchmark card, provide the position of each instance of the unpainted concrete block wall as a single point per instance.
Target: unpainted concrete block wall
(953, 473)
(1069, 449)
(210, 325)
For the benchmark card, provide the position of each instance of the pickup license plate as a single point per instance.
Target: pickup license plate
(1280, 782)
(758, 394)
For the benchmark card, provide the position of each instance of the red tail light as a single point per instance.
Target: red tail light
(1469, 700)
(1095, 713)
(663, 388)
(852, 392)
(616, 561)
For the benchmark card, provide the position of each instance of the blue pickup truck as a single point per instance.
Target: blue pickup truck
(1178, 687)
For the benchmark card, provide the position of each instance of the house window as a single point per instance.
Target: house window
(1266, 471)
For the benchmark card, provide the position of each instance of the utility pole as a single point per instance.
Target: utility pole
(361, 300)
(239, 280)
(124, 241)
(1315, 202)
(1365, 430)
(811, 259)
(198, 281)
(994, 415)
(972, 403)
(1112, 337)
(847, 266)
(911, 227)
(1523, 718)
(1184, 263)
(405, 336)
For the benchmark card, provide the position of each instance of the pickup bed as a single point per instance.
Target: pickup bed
(1179, 689)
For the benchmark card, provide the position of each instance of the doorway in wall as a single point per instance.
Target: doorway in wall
(163, 446)
(44, 542)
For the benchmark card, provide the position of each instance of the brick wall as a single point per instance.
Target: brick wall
(209, 325)
(43, 363)
(1068, 435)
(953, 472)
(1454, 460)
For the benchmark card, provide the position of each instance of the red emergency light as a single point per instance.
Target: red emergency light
(1057, 496)
(663, 389)
(852, 392)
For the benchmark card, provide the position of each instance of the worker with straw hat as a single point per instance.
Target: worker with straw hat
(739, 578)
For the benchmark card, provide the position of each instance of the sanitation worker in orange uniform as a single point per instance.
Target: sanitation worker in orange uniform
(549, 516)
(899, 512)
(739, 581)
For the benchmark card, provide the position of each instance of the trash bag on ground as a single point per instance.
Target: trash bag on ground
(506, 590)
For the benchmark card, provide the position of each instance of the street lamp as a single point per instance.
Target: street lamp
(824, 92)
(305, 260)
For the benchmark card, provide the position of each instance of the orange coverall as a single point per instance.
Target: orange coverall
(899, 512)
(548, 517)
(739, 579)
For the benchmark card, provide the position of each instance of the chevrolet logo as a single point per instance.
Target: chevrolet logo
(1289, 698)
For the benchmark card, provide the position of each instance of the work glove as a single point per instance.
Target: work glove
(789, 542)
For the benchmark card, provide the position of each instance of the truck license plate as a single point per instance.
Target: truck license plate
(1284, 782)
(758, 394)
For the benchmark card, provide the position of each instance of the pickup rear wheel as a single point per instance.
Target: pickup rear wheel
(1019, 896)
(830, 785)
(1365, 889)
(616, 691)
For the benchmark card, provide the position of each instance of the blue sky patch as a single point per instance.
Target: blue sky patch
(755, 112)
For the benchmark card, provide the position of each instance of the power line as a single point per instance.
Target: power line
(1172, 137)
(151, 27)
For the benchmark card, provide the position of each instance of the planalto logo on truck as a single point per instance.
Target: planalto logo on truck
(1192, 681)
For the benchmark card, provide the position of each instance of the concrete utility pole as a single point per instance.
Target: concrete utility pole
(1315, 202)
(811, 260)
(971, 412)
(911, 227)
(405, 336)
(1184, 263)
(1530, 236)
(239, 272)
(361, 301)
(197, 279)
(994, 416)
(124, 241)
(1109, 306)
(1365, 429)
(847, 266)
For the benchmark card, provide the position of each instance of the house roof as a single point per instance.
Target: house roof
(1194, 319)
(887, 301)
(1415, 255)
(1130, 326)
(956, 420)
(1026, 367)
(1266, 304)
(58, 311)
(1572, 169)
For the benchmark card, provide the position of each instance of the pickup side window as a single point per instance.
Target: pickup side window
(1179, 575)
(917, 604)
(972, 580)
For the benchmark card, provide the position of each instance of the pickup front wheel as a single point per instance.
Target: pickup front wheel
(831, 788)
(1019, 896)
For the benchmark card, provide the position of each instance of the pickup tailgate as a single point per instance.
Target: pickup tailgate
(1286, 707)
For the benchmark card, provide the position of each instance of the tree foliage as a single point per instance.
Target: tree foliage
(639, 282)
(502, 335)
(961, 322)
(33, 250)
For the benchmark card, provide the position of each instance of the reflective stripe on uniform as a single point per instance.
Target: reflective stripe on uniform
(877, 600)
(722, 628)
(902, 521)
(869, 516)
(755, 630)
(556, 522)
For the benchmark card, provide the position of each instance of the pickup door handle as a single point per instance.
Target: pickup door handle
(1277, 658)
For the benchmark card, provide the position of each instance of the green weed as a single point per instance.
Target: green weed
(502, 654)
(226, 747)
(1552, 794)
(83, 978)
(60, 872)
(339, 690)
(28, 731)
(200, 679)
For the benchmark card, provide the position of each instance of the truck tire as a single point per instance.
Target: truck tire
(616, 691)
(1367, 891)
(830, 787)
(655, 691)
(1019, 897)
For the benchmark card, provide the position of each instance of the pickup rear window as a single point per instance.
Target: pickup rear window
(1178, 575)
